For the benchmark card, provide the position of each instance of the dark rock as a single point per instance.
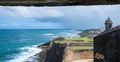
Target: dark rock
(55, 53)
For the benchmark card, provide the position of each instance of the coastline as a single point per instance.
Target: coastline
(26, 55)
(36, 57)
(39, 57)
(60, 51)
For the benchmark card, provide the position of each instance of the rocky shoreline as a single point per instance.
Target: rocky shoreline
(61, 50)
(55, 52)
(79, 47)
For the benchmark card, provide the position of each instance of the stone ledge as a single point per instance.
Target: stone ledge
(56, 2)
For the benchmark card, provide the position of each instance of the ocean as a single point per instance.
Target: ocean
(17, 45)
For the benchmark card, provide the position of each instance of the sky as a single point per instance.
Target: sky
(59, 17)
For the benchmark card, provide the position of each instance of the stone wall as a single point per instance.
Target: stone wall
(55, 53)
(56, 2)
(107, 46)
(78, 54)
(80, 44)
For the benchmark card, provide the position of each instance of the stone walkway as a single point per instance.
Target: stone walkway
(83, 60)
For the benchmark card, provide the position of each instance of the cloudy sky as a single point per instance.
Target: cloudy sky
(68, 17)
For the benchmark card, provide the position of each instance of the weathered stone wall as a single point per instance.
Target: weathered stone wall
(56, 2)
(78, 54)
(107, 46)
(80, 44)
(55, 53)
(71, 55)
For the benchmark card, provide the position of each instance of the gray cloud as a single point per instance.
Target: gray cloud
(69, 17)
(50, 19)
(30, 12)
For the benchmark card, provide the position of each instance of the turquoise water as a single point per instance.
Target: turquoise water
(18, 44)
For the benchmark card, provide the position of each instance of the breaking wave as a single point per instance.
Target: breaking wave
(25, 54)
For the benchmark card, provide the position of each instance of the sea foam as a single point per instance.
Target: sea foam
(28, 52)
(48, 34)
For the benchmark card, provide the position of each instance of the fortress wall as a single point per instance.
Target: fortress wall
(77, 54)
(107, 46)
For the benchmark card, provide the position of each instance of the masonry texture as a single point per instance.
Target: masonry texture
(78, 54)
(55, 53)
(56, 2)
(107, 46)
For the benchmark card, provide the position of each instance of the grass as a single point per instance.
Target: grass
(85, 39)
(80, 47)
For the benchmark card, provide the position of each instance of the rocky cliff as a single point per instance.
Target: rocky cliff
(61, 52)
(55, 53)
(107, 46)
